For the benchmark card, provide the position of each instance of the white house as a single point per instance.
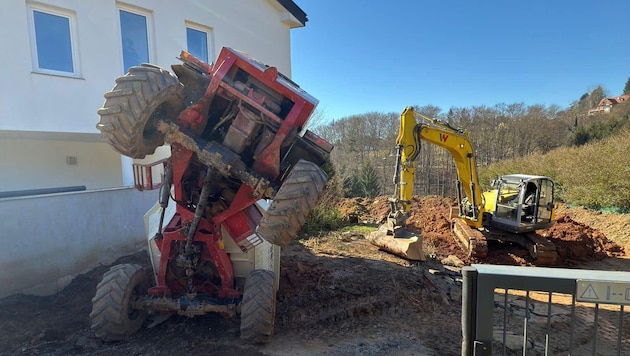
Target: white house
(59, 58)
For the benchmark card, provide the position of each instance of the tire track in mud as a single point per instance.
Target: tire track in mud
(328, 292)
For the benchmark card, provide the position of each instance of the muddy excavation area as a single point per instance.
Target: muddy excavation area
(338, 294)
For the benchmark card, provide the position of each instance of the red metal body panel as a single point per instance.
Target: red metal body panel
(174, 233)
(268, 161)
(228, 64)
(241, 218)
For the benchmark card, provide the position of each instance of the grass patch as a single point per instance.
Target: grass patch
(359, 228)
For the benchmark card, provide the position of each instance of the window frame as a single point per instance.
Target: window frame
(149, 23)
(74, 42)
(209, 31)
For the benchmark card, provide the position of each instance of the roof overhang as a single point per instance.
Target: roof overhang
(292, 14)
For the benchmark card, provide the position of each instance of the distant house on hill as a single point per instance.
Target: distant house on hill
(606, 104)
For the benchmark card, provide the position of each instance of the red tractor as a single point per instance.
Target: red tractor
(243, 175)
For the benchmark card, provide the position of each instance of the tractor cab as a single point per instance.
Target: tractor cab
(521, 203)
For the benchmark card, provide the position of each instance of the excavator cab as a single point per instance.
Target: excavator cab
(520, 203)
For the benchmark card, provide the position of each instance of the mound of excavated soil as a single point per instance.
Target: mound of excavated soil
(575, 242)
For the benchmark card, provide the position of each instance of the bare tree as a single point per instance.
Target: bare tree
(504, 131)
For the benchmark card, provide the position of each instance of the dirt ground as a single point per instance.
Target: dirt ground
(338, 294)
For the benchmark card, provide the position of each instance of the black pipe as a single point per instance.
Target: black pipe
(165, 194)
(200, 210)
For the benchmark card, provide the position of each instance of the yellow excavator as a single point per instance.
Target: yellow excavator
(512, 211)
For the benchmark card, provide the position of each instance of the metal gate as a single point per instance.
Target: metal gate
(509, 310)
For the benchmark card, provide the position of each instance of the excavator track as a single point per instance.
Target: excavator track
(475, 242)
(469, 239)
(541, 250)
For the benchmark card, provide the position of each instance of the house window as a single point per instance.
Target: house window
(197, 42)
(134, 38)
(53, 43)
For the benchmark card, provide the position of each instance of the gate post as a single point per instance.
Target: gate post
(469, 309)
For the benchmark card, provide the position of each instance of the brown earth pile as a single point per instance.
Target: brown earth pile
(575, 242)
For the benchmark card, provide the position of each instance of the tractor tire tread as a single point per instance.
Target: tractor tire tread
(110, 317)
(127, 119)
(293, 203)
(258, 307)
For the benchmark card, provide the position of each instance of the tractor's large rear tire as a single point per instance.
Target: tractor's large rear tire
(293, 203)
(258, 309)
(112, 316)
(132, 109)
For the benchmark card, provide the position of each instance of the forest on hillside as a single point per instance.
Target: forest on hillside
(507, 138)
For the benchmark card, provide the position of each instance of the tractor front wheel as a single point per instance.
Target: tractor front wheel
(258, 309)
(293, 203)
(112, 316)
(129, 116)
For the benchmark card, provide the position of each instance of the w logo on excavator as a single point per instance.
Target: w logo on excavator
(443, 137)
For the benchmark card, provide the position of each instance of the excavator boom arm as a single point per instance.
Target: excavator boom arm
(457, 143)
(407, 150)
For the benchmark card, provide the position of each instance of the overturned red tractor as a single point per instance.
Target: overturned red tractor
(242, 177)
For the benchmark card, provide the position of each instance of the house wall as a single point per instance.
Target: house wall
(36, 102)
(42, 163)
(40, 102)
(55, 237)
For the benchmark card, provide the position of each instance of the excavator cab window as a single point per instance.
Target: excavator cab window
(523, 203)
(516, 201)
(545, 201)
(507, 200)
(528, 214)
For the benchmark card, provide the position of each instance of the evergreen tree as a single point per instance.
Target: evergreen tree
(368, 180)
(596, 96)
(352, 187)
(626, 89)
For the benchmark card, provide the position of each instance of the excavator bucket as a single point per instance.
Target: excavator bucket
(405, 243)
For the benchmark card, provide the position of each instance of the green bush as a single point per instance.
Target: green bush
(595, 175)
(598, 130)
(323, 218)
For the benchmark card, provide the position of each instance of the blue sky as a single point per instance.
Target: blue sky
(359, 56)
